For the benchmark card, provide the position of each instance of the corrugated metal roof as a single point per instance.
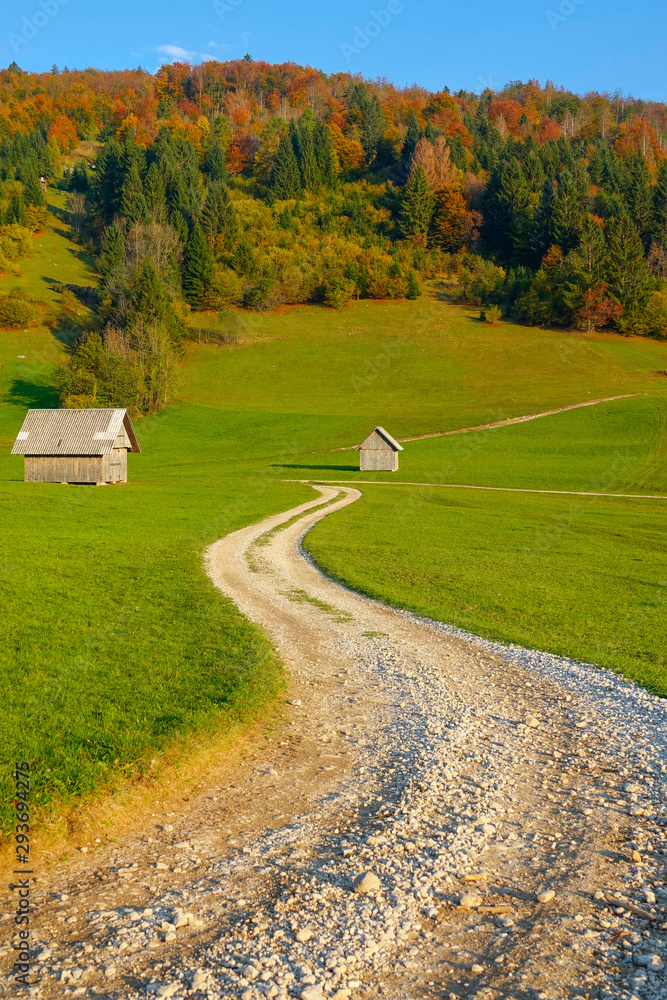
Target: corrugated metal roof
(73, 432)
(385, 435)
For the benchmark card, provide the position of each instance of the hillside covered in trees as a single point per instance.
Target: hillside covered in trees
(247, 184)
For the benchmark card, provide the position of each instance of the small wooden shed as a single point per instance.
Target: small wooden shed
(379, 452)
(76, 446)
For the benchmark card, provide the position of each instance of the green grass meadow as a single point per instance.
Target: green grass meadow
(113, 642)
(414, 367)
(577, 576)
(619, 446)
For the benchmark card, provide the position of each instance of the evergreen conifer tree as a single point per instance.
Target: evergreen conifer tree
(417, 206)
(215, 165)
(32, 189)
(133, 205)
(130, 156)
(457, 152)
(587, 263)
(482, 126)
(16, 212)
(305, 147)
(325, 155)
(199, 267)
(244, 261)
(659, 221)
(178, 223)
(542, 229)
(613, 175)
(79, 180)
(514, 216)
(151, 305)
(154, 190)
(582, 183)
(550, 156)
(565, 155)
(627, 273)
(111, 262)
(414, 291)
(175, 190)
(372, 117)
(566, 216)
(412, 137)
(219, 216)
(107, 182)
(149, 296)
(285, 174)
(639, 198)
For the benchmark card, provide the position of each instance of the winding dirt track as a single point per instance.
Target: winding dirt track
(507, 422)
(404, 752)
(450, 709)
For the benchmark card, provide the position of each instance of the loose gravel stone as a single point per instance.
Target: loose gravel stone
(315, 992)
(366, 882)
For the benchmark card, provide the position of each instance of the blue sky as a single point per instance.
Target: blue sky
(582, 44)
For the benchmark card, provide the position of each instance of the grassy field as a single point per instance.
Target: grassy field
(114, 644)
(612, 447)
(577, 576)
(57, 258)
(112, 640)
(414, 367)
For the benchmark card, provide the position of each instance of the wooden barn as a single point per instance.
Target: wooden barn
(76, 446)
(379, 452)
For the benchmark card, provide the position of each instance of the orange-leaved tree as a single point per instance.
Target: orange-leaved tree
(456, 227)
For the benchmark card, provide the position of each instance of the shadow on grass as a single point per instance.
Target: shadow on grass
(76, 251)
(88, 295)
(32, 394)
(332, 468)
(445, 291)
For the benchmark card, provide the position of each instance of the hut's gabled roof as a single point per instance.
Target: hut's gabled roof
(73, 432)
(384, 436)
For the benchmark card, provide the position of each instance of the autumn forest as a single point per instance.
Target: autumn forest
(234, 185)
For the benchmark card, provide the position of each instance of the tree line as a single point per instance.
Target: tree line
(245, 184)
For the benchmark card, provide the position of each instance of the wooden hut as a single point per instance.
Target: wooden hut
(379, 452)
(76, 446)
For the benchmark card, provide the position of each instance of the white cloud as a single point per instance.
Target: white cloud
(175, 52)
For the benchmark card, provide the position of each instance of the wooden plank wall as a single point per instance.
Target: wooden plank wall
(64, 469)
(378, 461)
(115, 466)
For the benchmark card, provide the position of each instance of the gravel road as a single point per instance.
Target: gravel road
(436, 816)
